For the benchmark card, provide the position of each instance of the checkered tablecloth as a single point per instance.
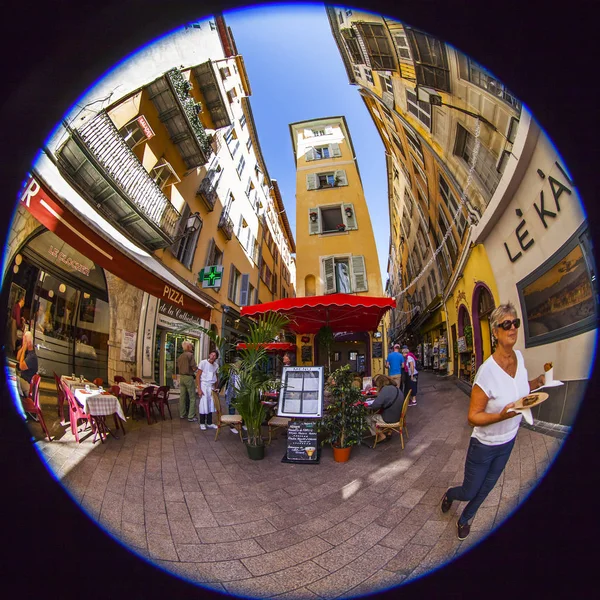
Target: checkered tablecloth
(75, 384)
(96, 403)
(134, 389)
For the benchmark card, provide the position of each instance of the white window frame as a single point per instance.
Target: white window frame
(416, 109)
(351, 260)
(159, 169)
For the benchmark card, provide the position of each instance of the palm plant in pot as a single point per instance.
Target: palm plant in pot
(253, 380)
(344, 418)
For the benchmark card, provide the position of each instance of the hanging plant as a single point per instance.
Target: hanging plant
(468, 332)
(313, 216)
(348, 211)
(341, 227)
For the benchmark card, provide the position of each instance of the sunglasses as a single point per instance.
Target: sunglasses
(507, 325)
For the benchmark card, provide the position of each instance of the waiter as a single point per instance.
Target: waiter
(187, 367)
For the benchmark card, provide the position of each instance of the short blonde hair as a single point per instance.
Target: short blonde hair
(27, 337)
(381, 381)
(502, 311)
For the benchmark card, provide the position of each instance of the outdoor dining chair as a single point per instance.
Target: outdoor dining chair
(98, 381)
(145, 401)
(397, 427)
(234, 421)
(60, 396)
(120, 379)
(76, 413)
(276, 423)
(31, 403)
(161, 399)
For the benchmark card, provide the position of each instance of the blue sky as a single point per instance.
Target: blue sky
(296, 73)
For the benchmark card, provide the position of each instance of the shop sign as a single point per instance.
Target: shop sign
(178, 314)
(545, 210)
(67, 260)
(211, 277)
(145, 127)
(170, 323)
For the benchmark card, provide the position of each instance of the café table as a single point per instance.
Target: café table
(133, 390)
(99, 405)
(368, 396)
(76, 383)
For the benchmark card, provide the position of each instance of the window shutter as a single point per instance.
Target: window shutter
(210, 253)
(328, 130)
(340, 178)
(308, 133)
(359, 274)
(192, 244)
(314, 226)
(350, 222)
(239, 231)
(310, 154)
(245, 290)
(312, 181)
(334, 150)
(274, 286)
(329, 275)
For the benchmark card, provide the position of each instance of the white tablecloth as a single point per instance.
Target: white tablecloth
(96, 403)
(75, 384)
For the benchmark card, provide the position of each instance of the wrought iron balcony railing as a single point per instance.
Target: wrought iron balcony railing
(100, 163)
(207, 192)
(226, 225)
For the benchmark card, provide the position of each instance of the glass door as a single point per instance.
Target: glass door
(173, 349)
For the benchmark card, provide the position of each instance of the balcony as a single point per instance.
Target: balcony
(225, 225)
(207, 192)
(207, 82)
(170, 94)
(97, 160)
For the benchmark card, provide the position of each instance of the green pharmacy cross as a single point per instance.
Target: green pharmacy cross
(211, 277)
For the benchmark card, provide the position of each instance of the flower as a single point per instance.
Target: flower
(340, 227)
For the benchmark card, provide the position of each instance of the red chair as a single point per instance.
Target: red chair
(145, 401)
(120, 379)
(31, 403)
(161, 398)
(98, 381)
(60, 398)
(76, 413)
(115, 390)
(137, 380)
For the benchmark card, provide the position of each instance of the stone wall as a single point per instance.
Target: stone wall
(125, 303)
(22, 227)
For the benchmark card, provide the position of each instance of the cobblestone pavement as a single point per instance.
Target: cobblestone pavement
(204, 511)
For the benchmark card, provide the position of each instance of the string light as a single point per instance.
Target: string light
(462, 203)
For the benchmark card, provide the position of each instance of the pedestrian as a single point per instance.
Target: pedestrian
(187, 367)
(27, 363)
(412, 375)
(389, 400)
(500, 381)
(207, 379)
(394, 364)
(287, 360)
(16, 323)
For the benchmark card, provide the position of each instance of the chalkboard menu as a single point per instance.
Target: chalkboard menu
(377, 349)
(306, 353)
(301, 393)
(302, 441)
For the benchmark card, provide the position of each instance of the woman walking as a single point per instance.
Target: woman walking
(412, 375)
(500, 382)
(207, 376)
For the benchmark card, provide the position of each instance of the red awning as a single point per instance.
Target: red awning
(272, 347)
(45, 205)
(341, 312)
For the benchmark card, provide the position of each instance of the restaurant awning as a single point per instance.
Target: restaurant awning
(341, 312)
(272, 347)
(44, 197)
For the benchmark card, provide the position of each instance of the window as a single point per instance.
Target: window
(136, 132)
(431, 61)
(332, 219)
(236, 147)
(230, 135)
(320, 152)
(485, 167)
(396, 140)
(482, 78)
(163, 174)
(243, 232)
(249, 187)
(214, 256)
(414, 144)
(234, 285)
(378, 47)
(185, 247)
(340, 17)
(317, 132)
(357, 72)
(240, 166)
(451, 243)
(266, 274)
(249, 144)
(315, 181)
(231, 95)
(243, 121)
(225, 72)
(452, 203)
(402, 45)
(353, 46)
(418, 108)
(344, 275)
(274, 284)
(369, 76)
(386, 84)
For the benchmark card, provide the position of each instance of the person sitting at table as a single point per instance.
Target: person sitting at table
(389, 400)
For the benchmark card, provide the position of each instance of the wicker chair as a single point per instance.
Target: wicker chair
(226, 420)
(276, 423)
(397, 427)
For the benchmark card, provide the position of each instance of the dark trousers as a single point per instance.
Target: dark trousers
(405, 382)
(483, 467)
(206, 419)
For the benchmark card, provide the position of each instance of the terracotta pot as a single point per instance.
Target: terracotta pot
(341, 454)
(255, 452)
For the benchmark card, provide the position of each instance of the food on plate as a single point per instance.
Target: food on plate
(528, 400)
(547, 366)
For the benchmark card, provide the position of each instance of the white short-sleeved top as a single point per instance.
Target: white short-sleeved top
(501, 389)
(209, 372)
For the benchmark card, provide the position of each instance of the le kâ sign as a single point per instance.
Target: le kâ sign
(545, 210)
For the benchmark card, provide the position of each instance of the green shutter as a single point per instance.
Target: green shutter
(340, 178)
(312, 181)
(314, 227)
(334, 150)
(359, 274)
(329, 275)
(349, 221)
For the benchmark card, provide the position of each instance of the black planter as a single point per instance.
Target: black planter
(255, 452)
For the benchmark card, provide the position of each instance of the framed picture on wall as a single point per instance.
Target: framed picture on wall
(559, 299)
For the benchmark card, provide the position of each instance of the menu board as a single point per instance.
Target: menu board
(306, 353)
(377, 349)
(302, 441)
(301, 393)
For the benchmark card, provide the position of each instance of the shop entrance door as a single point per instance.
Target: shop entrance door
(173, 349)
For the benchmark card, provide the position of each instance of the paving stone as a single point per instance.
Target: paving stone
(270, 562)
(408, 558)
(218, 552)
(211, 535)
(162, 547)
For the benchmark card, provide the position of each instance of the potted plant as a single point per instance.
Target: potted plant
(341, 227)
(348, 211)
(468, 333)
(254, 381)
(344, 418)
(313, 216)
